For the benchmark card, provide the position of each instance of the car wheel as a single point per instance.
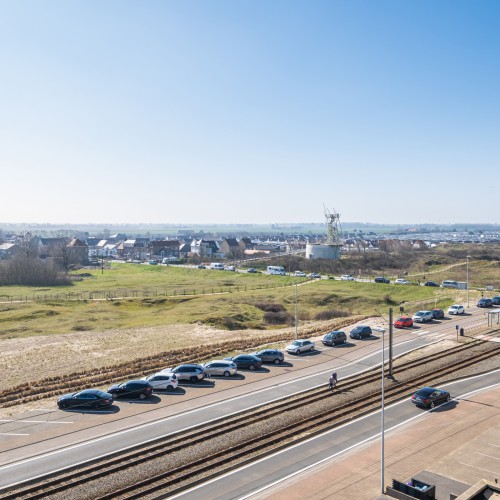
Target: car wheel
(433, 404)
(298, 352)
(142, 396)
(63, 405)
(194, 379)
(226, 374)
(170, 388)
(251, 367)
(276, 361)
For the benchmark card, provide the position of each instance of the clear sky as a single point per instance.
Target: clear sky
(249, 111)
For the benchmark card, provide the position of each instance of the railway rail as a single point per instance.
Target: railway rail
(272, 431)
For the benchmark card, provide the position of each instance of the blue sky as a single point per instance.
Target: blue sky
(199, 111)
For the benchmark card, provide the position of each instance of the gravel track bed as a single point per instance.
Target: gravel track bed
(232, 440)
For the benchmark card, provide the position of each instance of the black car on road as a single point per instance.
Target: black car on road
(437, 313)
(88, 398)
(141, 389)
(484, 302)
(334, 338)
(270, 356)
(248, 361)
(361, 332)
(431, 283)
(429, 397)
(496, 300)
(381, 279)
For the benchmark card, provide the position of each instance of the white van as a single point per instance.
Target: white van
(217, 265)
(449, 284)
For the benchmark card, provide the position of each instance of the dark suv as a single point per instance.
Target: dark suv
(132, 389)
(381, 279)
(437, 313)
(270, 356)
(335, 337)
(361, 332)
(246, 361)
(484, 303)
(496, 300)
(191, 372)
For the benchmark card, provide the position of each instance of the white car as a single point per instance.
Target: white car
(456, 309)
(300, 346)
(163, 381)
(220, 367)
(347, 277)
(401, 281)
(301, 274)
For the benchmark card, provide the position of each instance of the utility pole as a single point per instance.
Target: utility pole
(296, 318)
(390, 343)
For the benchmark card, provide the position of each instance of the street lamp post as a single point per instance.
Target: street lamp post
(468, 257)
(382, 420)
(296, 318)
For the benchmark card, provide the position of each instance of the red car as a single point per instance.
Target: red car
(403, 322)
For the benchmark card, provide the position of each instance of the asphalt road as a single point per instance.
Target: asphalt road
(44, 440)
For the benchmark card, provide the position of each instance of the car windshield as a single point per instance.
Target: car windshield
(296, 342)
(425, 392)
(403, 319)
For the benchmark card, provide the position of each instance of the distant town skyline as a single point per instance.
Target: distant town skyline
(249, 112)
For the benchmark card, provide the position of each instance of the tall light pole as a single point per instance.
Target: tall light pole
(468, 257)
(382, 420)
(296, 318)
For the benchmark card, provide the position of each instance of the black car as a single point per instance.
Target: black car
(141, 389)
(484, 302)
(334, 338)
(270, 356)
(361, 332)
(437, 313)
(88, 398)
(431, 283)
(429, 397)
(381, 279)
(246, 361)
(496, 300)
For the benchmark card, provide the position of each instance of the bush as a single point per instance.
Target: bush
(331, 314)
(279, 318)
(264, 306)
(26, 271)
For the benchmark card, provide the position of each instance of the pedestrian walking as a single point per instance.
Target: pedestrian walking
(332, 381)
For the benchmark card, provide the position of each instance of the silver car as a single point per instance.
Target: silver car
(270, 356)
(299, 346)
(422, 316)
(191, 372)
(220, 367)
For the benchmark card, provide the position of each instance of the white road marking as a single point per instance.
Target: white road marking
(12, 434)
(484, 455)
(480, 468)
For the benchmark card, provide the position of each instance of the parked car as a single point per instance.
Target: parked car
(246, 361)
(437, 313)
(403, 322)
(220, 367)
(381, 279)
(88, 398)
(346, 277)
(361, 332)
(163, 381)
(484, 302)
(315, 276)
(429, 397)
(270, 356)
(496, 300)
(300, 346)
(191, 372)
(300, 274)
(423, 317)
(456, 309)
(153, 262)
(334, 338)
(201, 266)
(401, 281)
(251, 270)
(431, 283)
(132, 389)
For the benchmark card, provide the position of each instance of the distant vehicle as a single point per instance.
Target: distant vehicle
(381, 279)
(276, 270)
(403, 322)
(252, 270)
(449, 284)
(191, 372)
(315, 276)
(422, 317)
(361, 332)
(270, 356)
(220, 367)
(429, 397)
(300, 274)
(217, 265)
(401, 281)
(141, 389)
(437, 313)
(202, 266)
(153, 262)
(230, 268)
(88, 398)
(246, 361)
(496, 300)
(334, 338)
(300, 346)
(170, 260)
(163, 381)
(346, 277)
(431, 283)
(484, 302)
(456, 309)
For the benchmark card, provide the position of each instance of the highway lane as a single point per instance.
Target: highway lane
(50, 448)
(254, 479)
